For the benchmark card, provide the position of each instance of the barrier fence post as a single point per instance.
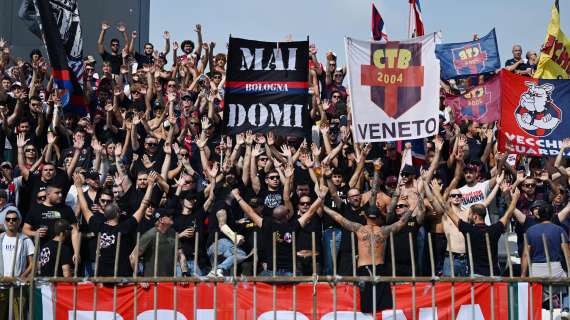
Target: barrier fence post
(255, 275)
(412, 257)
(75, 269)
(115, 272)
(274, 260)
(432, 265)
(13, 275)
(95, 274)
(155, 274)
(216, 235)
(234, 274)
(566, 257)
(373, 254)
(195, 274)
(527, 256)
(393, 263)
(491, 273)
(314, 263)
(175, 284)
(472, 287)
(294, 257)
(511, 291)
(55, 274)
(547, 253)
(334, 273)
(452, 269)
(353, 249)
(135, 274)
(34, 266)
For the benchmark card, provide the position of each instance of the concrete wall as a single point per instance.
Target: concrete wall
(134, 13)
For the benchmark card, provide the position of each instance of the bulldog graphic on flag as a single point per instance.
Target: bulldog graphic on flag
(532, 120)
(537, 114)
(394, 88)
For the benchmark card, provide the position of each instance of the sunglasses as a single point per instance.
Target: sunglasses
(185, 155)
(529, 185)
(263, 159)
(151, 144)
(273, 177)
(400, 206)
(114, 44)
(30, 150)
(135, 92)
(104, 201)
(171, 85)
(217, 77)
(11, 219)
(304, 203)
(335, 96)
(456, 195)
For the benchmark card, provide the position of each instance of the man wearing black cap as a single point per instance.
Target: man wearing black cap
(150, 251)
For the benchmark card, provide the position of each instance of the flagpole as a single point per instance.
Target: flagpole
(409, 18)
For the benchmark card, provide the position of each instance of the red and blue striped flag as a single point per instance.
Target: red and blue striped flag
(377, 25)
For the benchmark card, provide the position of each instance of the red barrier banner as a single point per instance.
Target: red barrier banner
(487, 298)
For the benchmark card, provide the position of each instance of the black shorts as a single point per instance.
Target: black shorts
(383, 291)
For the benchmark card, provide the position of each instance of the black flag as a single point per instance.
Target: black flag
(61, 29)
(267, 87)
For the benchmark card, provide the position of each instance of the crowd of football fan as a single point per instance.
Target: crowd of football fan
(150, 169)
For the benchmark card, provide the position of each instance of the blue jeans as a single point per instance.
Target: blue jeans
(226, 250)
(327, 248)
(460, 267)
(190, 268)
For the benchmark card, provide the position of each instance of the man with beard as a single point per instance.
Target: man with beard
(41, 219)
(476, 192)
(114, 57)
(279, 224)
(477, 230)
(371, 236)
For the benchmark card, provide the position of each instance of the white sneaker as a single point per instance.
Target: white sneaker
(212, 274)
(220, 273)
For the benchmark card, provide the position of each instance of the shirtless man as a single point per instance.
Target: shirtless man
(372, 234)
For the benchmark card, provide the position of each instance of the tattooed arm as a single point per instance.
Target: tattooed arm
(345, 223)
(395, 227)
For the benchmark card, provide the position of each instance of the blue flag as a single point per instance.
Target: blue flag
(469, 58)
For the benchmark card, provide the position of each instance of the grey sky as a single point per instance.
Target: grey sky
(327, 22)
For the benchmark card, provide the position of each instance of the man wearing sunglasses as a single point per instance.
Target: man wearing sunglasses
(9, 242)
(476, 192)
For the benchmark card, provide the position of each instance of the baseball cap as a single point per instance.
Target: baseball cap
(163, 212)
(15, 84)
(6, 164)
(408, 170)
(537, 203)
(92, 174)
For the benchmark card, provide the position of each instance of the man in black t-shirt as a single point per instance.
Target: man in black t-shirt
(110, 228)
(279, 226)
(517, 64)
(42, 217)
(476, 228)
(48, 253)
(188, 224)
(114, 57)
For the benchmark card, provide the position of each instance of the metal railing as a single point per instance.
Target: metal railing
(16, 286)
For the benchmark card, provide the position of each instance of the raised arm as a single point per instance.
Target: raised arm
(100, 42)
(493, 192)
(397, 226)
(78, 182)
(247, 209)
(345, 223)
(146, 199)
(321, 194)
(511, 209)
(21, 143)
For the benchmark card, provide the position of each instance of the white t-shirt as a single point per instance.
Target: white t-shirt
(475, 194)
(8, 248)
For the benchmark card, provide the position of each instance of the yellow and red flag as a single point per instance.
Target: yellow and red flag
(554, 60)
